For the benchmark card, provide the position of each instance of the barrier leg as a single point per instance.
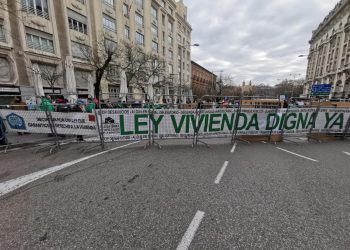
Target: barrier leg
(283, 126)
(100, 132)
(151, 141)
(274, 120)
(234, 137)
(346, 130)
(55, 147)
(196, 130)
(315, 114)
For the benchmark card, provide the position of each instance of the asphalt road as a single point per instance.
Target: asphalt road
(266, 196)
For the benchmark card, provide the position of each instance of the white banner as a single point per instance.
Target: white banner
(135, 124)
(37, 122)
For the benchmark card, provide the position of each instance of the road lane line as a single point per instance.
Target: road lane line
(191, 231)
(234, 147)
(347, 153)
(264, 142)
(302, 156)
(11, 185)
(221, 173)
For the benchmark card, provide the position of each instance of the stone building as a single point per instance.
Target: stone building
(203, 81)
(329, 56)
(48, 35)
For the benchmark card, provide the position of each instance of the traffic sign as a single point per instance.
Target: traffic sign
(321, 89)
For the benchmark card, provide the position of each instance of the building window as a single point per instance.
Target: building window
(40, 43)
(36, 7)
(170, 68)
(110, 45)
(80, 51)
(154, 46)
(77, 22)
(154, 30)
(126, 10)
(109, 3)
(179, 38)
(2, 33)
(127, 32)
(81, 1)
(170, 40)
(163, 20)
(109, 23)
(170, 26)
(154, 12)
(170, 55)
(139, 3)
(140, 39)
(139, 20)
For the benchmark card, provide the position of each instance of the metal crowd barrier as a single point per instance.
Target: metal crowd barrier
(201, 106)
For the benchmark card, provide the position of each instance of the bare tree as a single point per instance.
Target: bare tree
(102, 58)
(289, 87)
(141, 66)
(51, 75)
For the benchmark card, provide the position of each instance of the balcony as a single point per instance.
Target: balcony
(35, 11)
(2, 35)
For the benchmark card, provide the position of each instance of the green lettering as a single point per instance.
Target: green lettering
(312, 121)
(302, 120)
(122, 126)
(275, 121)
(338, 122)
(178, 127)
(206, 119)
(329, 119)
(139, 124)
(156, 122)
(229, 123)
(282, 121)
(292, 123)
(253, 122)
(244, 116)
(214, 122)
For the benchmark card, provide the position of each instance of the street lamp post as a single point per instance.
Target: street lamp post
(313, 77)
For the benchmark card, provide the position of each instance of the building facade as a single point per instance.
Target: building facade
(48, 35)
(203, 81)
(329, 55)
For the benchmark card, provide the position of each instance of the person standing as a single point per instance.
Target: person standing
(46, 104)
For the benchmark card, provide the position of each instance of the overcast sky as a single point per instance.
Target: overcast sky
(257, 40)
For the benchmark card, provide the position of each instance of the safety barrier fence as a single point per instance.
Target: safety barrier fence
(153, 125)
(202, 118)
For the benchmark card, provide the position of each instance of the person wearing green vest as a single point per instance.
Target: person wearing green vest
(91, 106)
(46, 104)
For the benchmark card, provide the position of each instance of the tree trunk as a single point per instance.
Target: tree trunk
(97, 84)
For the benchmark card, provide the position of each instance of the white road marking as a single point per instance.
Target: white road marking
(302, 156)
(191, 231)
(221, 173)
(234, 147)
(347, 153)
(11, 185)
(264, 142)
(303, 139)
